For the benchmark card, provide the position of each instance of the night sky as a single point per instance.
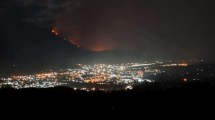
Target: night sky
(33, 31)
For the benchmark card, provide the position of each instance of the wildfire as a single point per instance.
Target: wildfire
(55, 31)
(74, 42)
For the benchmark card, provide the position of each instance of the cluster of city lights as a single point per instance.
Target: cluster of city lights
(91, 77)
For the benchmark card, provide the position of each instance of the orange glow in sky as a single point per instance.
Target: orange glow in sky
(98, 48)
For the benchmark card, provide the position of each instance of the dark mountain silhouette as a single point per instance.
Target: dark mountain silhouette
(41, 52)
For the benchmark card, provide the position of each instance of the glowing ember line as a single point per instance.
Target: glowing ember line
(56, 32)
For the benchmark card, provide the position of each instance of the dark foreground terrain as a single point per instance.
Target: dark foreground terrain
(191, 100)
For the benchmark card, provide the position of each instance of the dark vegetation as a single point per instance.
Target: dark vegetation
(195, 99)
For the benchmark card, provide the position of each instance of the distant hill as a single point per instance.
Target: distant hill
(41, 52)
(195, 99)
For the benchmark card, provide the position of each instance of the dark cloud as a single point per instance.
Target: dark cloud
(46, 10)
(171, 27)
(182, 28)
